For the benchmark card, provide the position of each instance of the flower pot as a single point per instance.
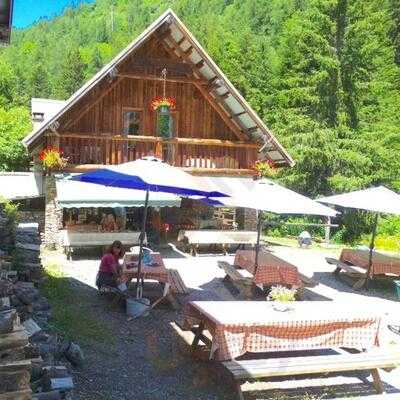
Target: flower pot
(281, 306)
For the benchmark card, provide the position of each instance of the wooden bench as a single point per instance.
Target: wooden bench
(245, 370)
(176, 281)
(359, 273)
(241, 279)
(194, 239)
(73, 240)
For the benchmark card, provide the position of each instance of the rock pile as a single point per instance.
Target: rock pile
(27, 255)
(33, 357)
(7, 233)
(21, 301)
(17, 358)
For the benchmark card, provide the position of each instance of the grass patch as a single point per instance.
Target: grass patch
(70, 316)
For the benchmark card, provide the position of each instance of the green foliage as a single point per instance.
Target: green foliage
(323, 74)
(68, 315)
(14, 125)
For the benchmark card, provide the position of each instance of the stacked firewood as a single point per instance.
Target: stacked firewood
(17, 358)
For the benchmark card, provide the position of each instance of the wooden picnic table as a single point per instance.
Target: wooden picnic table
(238, 327)
(381, 263)
(170, 278)
(271, 270)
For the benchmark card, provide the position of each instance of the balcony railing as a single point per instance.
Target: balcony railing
(181, 152)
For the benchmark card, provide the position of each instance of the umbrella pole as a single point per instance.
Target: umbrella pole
(371, 249)
(259, 227)
(139, 282)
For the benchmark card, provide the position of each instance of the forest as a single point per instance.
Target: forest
(323, 74)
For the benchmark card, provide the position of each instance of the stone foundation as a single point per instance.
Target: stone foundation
(34, 216)
(53, 214)
(246, 219)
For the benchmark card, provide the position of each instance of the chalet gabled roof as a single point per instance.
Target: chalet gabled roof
(177, 37)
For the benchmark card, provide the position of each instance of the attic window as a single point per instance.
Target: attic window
(38, 116)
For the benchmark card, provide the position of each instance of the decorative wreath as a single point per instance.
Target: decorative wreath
(159, 101)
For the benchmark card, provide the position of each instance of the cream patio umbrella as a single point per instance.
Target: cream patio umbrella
(265, 195)
(379, 200)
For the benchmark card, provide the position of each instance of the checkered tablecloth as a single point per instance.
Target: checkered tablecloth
(158, 273)
(238, 327)
(271, 270)
(381, 263)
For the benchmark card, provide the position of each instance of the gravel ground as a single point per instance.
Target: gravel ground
(147, 359)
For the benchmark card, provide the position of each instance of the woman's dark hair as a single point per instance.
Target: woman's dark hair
(117, 244)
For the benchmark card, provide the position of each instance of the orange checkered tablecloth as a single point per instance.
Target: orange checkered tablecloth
(158, 273)
(381, 263)
(238, 327)
(271, 270)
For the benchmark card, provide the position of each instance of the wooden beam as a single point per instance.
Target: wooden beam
(91, 104)
(253, 129)
(200, 64)
(150, 77)
(177, 140)
(181, 40)
(221, 112)
(161, 63)
(189, 51)
(212, 100)
(195, 171)
(239, 114)
(225, 95)
(163, 33)
(219, 171)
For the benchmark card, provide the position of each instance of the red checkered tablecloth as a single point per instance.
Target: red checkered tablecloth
(271, 270)
(158, 273)
(238, 327)
(381, 263)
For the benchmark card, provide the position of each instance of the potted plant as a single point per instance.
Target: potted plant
(52, 159)
(282, 297)
(266, 169)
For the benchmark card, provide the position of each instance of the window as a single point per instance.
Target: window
(132, 121)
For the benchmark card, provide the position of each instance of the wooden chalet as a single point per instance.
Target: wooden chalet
(212, 130)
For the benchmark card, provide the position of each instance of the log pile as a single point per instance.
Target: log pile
(31, 353)
(16, 358)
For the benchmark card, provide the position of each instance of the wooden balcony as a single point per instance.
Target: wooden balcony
(198, 155)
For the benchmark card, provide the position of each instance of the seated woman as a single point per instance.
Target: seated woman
(110, 269)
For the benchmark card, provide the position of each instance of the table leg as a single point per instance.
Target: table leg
(377, 381)
(197, 336)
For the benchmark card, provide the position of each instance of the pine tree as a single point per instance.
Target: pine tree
(72, 73)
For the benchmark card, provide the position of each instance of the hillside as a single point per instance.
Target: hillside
(323, 74)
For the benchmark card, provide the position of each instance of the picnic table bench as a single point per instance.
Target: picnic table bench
(355, 263)
(73, 240)
(239, 327)
(193, 239)
(245, 370)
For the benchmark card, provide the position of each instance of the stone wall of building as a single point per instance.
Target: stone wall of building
(7, 232)
(32, 216)
(53, 214)
(246, 219)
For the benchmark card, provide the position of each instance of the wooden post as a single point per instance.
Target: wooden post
(371, 250)
(259, 228)
(328, 230)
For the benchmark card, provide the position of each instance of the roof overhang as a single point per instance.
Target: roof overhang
(182, 42)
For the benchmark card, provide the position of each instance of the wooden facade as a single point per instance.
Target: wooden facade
(206, 135)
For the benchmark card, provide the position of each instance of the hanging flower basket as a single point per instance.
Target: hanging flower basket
(265, 169)
(159, 102)
(52, 159)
